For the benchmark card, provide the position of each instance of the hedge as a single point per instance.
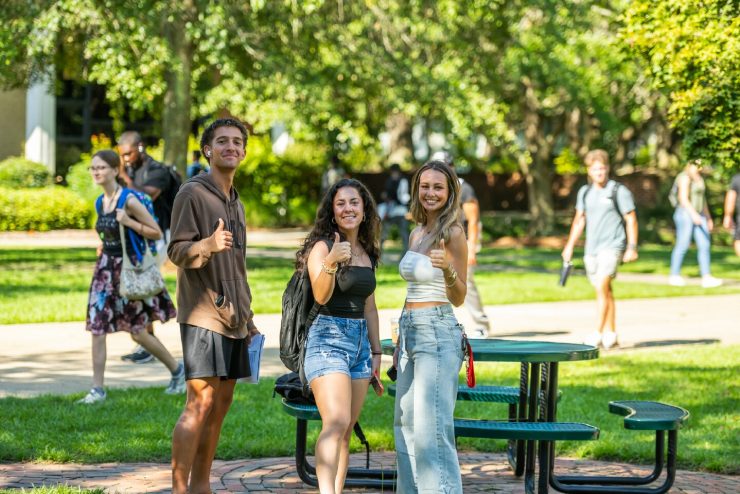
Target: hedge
(43, 209)
(17, 172)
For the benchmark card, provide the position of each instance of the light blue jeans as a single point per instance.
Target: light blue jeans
(685, 229)
(426, 391)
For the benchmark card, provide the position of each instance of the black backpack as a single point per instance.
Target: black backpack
(298, 312)
(290, 387)
(173, 188)
(168, 194)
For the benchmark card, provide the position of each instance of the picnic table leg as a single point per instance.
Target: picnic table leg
(532, 393)
(548, 413)
(614, 480)
(306, 471)
(515, 449)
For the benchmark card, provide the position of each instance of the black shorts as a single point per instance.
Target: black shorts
(737, 228)
(210, 354)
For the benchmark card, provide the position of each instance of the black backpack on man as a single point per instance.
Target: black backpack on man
(168, 193)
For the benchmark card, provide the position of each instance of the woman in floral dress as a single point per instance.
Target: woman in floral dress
(108, 311)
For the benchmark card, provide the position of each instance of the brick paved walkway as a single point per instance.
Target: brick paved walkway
(482, 472)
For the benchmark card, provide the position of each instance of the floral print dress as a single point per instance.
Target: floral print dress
(107, 310)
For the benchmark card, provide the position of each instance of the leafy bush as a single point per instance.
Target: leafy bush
(280, 190)
(48, 208)
(17, 172)
(80, 182)
(78, 177)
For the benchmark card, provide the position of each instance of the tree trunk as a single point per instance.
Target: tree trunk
(176, 113)
(536, 166)
(398, 127)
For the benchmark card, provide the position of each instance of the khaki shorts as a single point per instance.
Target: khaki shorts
(602, 265)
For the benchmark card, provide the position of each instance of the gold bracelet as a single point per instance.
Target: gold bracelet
(454, 278)
(328, 270)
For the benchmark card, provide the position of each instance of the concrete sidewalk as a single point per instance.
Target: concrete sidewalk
(55, 357)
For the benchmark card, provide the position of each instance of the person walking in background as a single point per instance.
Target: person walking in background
(394, 208)
(343, 347)
(332, 175)
(196, 167)
(214, 302)
(429, 353)
(145, 174)
(606, 209)
(731, 217)
(471, 224)
(151, 177)
(108, 311)
(692, 219)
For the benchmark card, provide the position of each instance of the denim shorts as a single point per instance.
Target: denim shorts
(337, 345)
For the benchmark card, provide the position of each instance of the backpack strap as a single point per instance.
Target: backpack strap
(585, 194)
(133, 237)
(99, 204)
(617, 185)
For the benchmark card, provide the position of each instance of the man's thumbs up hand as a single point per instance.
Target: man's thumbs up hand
(221, 239)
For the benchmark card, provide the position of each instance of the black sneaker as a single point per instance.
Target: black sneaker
(130, 356)
(140, 356)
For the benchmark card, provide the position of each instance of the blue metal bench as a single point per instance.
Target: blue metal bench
(641, 416)
(356, 477)
(508, 395)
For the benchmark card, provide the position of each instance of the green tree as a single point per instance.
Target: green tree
(151, 55)
(691, 51)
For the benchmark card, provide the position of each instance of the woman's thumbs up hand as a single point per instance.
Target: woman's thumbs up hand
(439, 257)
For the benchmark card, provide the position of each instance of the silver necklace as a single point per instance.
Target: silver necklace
(423, 237)
(106, 207)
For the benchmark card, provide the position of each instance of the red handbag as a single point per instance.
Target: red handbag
(469, 362)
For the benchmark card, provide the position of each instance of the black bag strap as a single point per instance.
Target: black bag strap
(361, 436)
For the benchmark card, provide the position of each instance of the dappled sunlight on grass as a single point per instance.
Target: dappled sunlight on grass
(45, 285)
(136, 424)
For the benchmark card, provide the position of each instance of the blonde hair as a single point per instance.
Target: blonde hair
(596, 155)
(450, 214)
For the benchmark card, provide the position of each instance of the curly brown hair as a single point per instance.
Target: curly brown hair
(324, 229)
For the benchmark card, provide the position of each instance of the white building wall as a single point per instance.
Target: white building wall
(41, 125)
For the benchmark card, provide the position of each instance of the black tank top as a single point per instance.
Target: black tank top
(353, 285)
(107, 228)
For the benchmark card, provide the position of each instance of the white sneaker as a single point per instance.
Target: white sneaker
(593, 339)
(710, 281)
(609, 339)
(676, 280)
(95, 395)
(177, 382)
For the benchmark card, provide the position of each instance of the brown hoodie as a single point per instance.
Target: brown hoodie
(212, 288)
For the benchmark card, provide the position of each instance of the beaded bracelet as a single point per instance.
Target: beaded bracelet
(328, 270)
(454, 278)
(377, 353)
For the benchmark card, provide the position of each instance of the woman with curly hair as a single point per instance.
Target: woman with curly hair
(343, 347)
(428, 355)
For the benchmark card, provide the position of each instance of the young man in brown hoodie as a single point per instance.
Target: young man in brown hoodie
(208, 246)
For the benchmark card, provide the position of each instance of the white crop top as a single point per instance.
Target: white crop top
(425, 282)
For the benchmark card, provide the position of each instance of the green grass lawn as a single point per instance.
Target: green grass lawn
(48, 285)
(136, 424)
